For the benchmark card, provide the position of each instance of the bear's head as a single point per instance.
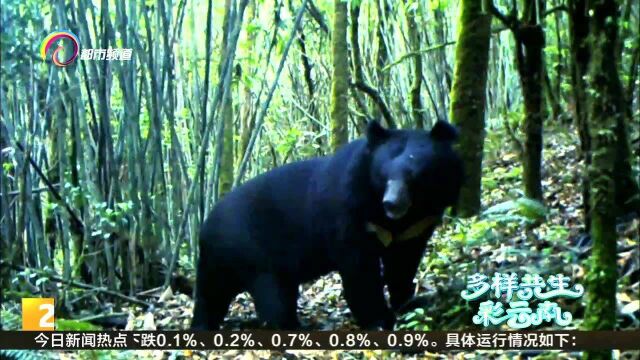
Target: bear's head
(414, 170)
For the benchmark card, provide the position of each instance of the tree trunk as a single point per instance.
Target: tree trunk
(226, 159)
(580, 54)
(606, 108)
(468, 99)
(529, 45)
(414, 40)
(204, 109)
(358, 72)
(51, 230)
(382, 56)
(340, 81)
(440, 64)
(627, 191)
(311, 89)
(627, 198)
(248, 113)
(552, 98)
(152, 243)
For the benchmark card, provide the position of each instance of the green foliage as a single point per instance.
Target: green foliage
(11, 320)
(415, 320)
(111, 220)
(489, 184)
(522, 210)
(30, 276)
(75, 325)
(438, 4)
(557, 234)
(288, 142)
(24, 355)
(7, 166)
(476, 233)
(111, 354)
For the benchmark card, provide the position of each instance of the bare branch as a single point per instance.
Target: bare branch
(507, 21)
(317, 15)
(77, 284)
(76, 222)
(555, 9)
(375, 96)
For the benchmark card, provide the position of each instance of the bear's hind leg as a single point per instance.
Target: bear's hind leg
(276, 302)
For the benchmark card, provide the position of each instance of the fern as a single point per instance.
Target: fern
(23, 355)
(520, 210)
(10, 320)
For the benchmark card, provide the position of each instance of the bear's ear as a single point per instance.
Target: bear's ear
(443, 131)
(376, 134)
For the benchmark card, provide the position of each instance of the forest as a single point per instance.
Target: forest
(123, 123)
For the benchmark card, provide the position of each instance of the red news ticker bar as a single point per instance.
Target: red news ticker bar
(309, 340)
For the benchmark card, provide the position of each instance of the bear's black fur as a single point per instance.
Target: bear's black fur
(377, 200)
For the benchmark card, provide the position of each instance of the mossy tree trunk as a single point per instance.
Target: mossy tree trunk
(529, 38)
(627, 186)
(340, 80)
(358, 72)
(627, 190)
(414, 41)
(551, 96)
(382, 56)
(580, 54)
(529, 44)
(468, 98)
(360, 83)
(627, 198)
(226, 156)
(307, 65)
(605, 102)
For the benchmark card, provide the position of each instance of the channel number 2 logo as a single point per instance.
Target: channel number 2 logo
(37, 314)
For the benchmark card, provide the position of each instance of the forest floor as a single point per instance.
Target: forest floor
(508, 236)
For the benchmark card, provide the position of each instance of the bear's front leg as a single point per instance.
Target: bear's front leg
(401, 263)
(364, 291)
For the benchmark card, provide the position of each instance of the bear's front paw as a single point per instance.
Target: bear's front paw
(388, 321)
(384, 322)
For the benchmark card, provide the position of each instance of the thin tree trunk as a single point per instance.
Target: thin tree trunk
(529, 45)
(226, 156)
(561, 61)
(414, 41)
(313, 101)
(203, 111)
(358, 71)
(529, 39)
(441, 65)
(340, 79)
(206, 135)
(551, 96)
(248, 114)
(55, 172)
(382, 57)
(580, 54)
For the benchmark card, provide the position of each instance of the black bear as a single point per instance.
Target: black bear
(366, 212)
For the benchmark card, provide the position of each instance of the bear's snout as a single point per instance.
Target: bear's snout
(396, 200)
